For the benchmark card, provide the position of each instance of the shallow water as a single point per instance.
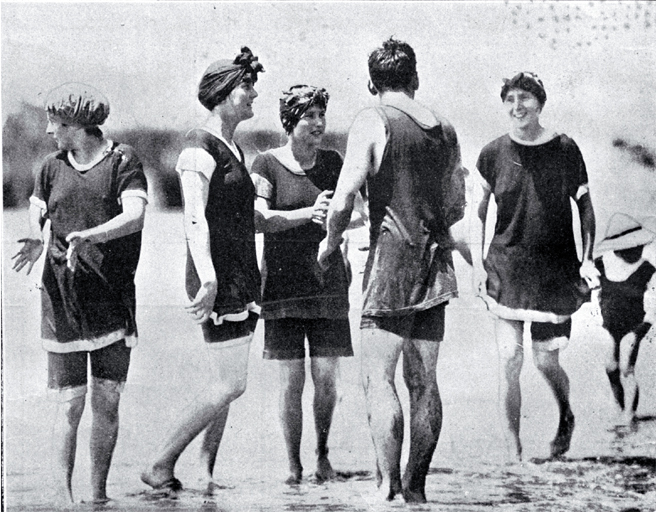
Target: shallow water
(607, 468)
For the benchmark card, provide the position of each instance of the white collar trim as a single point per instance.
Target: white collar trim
(286, 158)
(85, 167)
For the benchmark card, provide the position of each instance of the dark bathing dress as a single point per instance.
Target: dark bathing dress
(294, 285)
(230, 218)
(532, 263)
(94, 306)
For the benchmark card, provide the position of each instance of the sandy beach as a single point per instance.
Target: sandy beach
(607, 469)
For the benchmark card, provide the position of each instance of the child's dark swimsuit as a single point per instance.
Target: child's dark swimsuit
(623, 302)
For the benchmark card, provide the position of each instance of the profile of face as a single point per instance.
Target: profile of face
(65, 134)
(523, 108)
(241, 100)
(311, 127)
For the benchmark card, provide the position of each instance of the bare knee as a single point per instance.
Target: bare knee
(546, 361)
(72, 410)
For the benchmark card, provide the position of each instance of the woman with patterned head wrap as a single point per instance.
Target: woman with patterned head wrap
(222, 278)
(93, 192)
(293, 185)
(532, 272)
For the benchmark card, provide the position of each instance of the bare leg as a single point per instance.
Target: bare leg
(292, 381)
(104, 433)
(628, 356)
(509, 335)
(380, 354)
(613, 370)
(549, 365)
(210, 446)
(324, 374)
(67, 420)
(230, 368)
(419, 366)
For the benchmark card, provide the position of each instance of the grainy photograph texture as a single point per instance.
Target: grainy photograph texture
(332, 256)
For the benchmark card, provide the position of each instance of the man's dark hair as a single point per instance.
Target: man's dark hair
(393, 66)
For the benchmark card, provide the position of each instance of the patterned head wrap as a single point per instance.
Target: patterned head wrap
(297, 100)
(222, 76)
(526, 81)
(78, 104)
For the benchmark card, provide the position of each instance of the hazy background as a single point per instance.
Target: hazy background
(597, 60)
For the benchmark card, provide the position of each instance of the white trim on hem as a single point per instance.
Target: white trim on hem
(236, 317)
(523, 315)
(89, 345)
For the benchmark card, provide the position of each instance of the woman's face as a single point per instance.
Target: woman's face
(311, 126)
(241, 98)
(65, 134)
(523, 108)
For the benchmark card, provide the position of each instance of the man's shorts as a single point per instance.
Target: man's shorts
(67, 372)
(427, 325)
(230, 333)
(284, 338)
(548, 337)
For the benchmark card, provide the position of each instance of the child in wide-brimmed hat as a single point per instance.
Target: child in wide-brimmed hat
(627, 264)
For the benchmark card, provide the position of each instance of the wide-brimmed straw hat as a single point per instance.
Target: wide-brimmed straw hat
(625, 232)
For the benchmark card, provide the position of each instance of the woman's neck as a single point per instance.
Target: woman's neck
(528, 133)
(305, 154)
(225, 127)
(89, 149)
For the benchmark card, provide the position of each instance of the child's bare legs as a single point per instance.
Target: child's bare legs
(629, 348)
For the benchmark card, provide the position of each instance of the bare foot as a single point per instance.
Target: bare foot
(560, 444)
(161, 479)
(414, 496)
(295, 474)
(294, 479)
(325, 470)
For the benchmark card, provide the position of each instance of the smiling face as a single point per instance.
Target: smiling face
(523, 108)
(65, 134)
(311, 127)
(241, 100)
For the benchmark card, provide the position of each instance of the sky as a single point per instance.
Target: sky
(597, 59)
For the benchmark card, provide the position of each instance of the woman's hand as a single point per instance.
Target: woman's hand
(29, 253)
(201, 307)
(74, 239)
(324, 254)
(320, 208)
(590, 273)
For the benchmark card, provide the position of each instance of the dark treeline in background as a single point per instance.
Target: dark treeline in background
(25, 144)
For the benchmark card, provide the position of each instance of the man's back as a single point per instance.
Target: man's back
(410, 266)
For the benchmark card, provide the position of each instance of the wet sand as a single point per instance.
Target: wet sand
(607, 469)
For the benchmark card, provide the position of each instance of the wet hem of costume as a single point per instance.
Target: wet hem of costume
(89, 345)
(411, 309)
(524, 315)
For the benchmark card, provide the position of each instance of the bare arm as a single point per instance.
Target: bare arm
(131, 220)
(281, 220)
(33, 245)
(195, 190)
(480, 203)
(588, 270)
(366, 143)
